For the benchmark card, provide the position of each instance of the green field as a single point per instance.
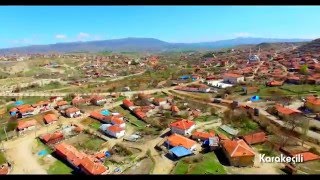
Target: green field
(290, 90)
(2, 158)
(209, 164)
(92, 144)
(206, 118)
(59, 168)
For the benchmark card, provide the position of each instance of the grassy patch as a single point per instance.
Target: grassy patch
(207, 164)
(42, 146)
(206, 118)
(120, 98)
(266, 149)
(311, 167)
(59, 167)
(95, 124)
(92, 144)
(2, 158)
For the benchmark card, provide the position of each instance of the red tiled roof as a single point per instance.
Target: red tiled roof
(72, 110)
(62, 103)
(254, 138)
(313, 100)
(182, 124)
(127, 103)
(308, 156)
(28, 109)
(174, 109)
(285, 110)
(202, 135)
(23, 106)
(70, 153)
(223, 137)
(116, 121)
(92, 168)
(115, 128)
(53, 136)
(97, 115)
(179, 140)
(4, 170)
(48, 118)
(237, 148)
(232, 75)
(26, 124)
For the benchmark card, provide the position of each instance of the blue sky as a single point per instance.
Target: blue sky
(26, 25)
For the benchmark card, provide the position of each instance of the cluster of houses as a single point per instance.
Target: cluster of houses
(113, 124)
(80, 161)
(194, 88)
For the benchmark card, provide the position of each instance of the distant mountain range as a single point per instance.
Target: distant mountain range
(140, 45)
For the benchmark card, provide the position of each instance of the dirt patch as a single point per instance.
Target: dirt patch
(142, 167)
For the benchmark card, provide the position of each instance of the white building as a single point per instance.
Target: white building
(182, 127)
(113, 130)
(73, 112)
(233, 78)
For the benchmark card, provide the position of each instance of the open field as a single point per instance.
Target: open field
(200, 164)
(59, 167)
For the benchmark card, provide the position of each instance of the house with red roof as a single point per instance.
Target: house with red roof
(238, 152)
(127, 103)
(179, 140)
(274, 83)
(73, 112)
(61, 103)
(98, 100)
(197, 135)
(285, 112)
(159, 101)
(313, 103)
(50, 118)
(113, 130)
(90, 167)
(183, 127)
(233, 78)
(26, 125)
(52, 138)
(255, 138)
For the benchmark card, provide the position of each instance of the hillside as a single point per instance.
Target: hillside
(139, 45)
(311, 47)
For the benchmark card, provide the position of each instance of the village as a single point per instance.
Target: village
(212, 113)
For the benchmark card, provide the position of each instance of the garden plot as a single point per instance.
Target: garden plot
(87, 143)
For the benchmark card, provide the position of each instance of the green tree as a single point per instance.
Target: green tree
(304, 69)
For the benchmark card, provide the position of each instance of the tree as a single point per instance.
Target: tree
(304, 69)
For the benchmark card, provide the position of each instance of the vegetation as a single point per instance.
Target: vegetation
(59, 167)
(92, 144)
(206, 118)
(200, 164)
(2, 158)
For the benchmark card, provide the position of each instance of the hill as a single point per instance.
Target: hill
(138, 45)
(311, 47)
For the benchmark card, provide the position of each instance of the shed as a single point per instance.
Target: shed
(254, 98)
(180, 151)
(105, 112)
(229, 130)
(18, 103)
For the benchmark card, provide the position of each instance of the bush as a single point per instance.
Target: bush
(314, 150)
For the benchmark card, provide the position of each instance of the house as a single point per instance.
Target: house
(61, 103)
(139, 113)
(233, 78)
(25, 111)
(274, 83)
(117, 121)
(183, 127)
(308, 156)
(238, 152)
(56, 99)
(178, 140)
(159, 101)
(69, 153)
(285, 112)
(127, 103)
(90, 167)
(313, 103)
(72, 112)
(202, 135)
(174, 109)
(255, 138)
(50, 118)
(26, 125)
(98, 116)
(113, 130)
(52, 138)
(98, 100)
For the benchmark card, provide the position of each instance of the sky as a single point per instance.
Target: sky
(32, 25)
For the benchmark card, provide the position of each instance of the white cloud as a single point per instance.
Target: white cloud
(83, 36)
(243, 34)
(61, 36)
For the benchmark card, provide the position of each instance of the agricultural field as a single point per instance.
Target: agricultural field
(200, 164)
